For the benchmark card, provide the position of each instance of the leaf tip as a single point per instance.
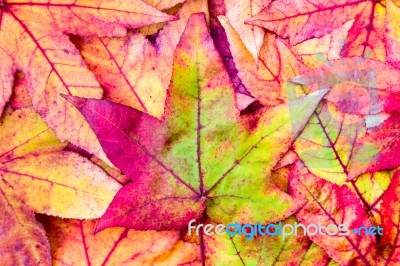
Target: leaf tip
(251, 21)
(297, 80)
(198, 16)
(99, 227)
(320, 93)
(75, 101)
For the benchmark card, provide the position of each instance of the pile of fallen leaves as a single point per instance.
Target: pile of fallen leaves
(123, 120)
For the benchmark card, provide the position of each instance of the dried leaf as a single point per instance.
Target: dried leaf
(237, 12)
(265, 80)
(132, 70)
(36, 170)
(303, 20)
(33, 40)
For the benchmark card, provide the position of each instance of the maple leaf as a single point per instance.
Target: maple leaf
(23, 239)
(303, 20)
(188, 153)
(36, 170)
(193, 161)
(330, 204)
(132, 70)
(33, 40)
(73, 243)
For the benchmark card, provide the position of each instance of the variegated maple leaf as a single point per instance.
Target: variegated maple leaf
(201, 158)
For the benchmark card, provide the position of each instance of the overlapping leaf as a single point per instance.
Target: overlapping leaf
(132, 70)
(37, 171)
(316, 51)
(265, 78)
(164, 4)
(33, 39)
(326, 203)
(218, 8)
(303, 20)
(378, 149)
(252, 36)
